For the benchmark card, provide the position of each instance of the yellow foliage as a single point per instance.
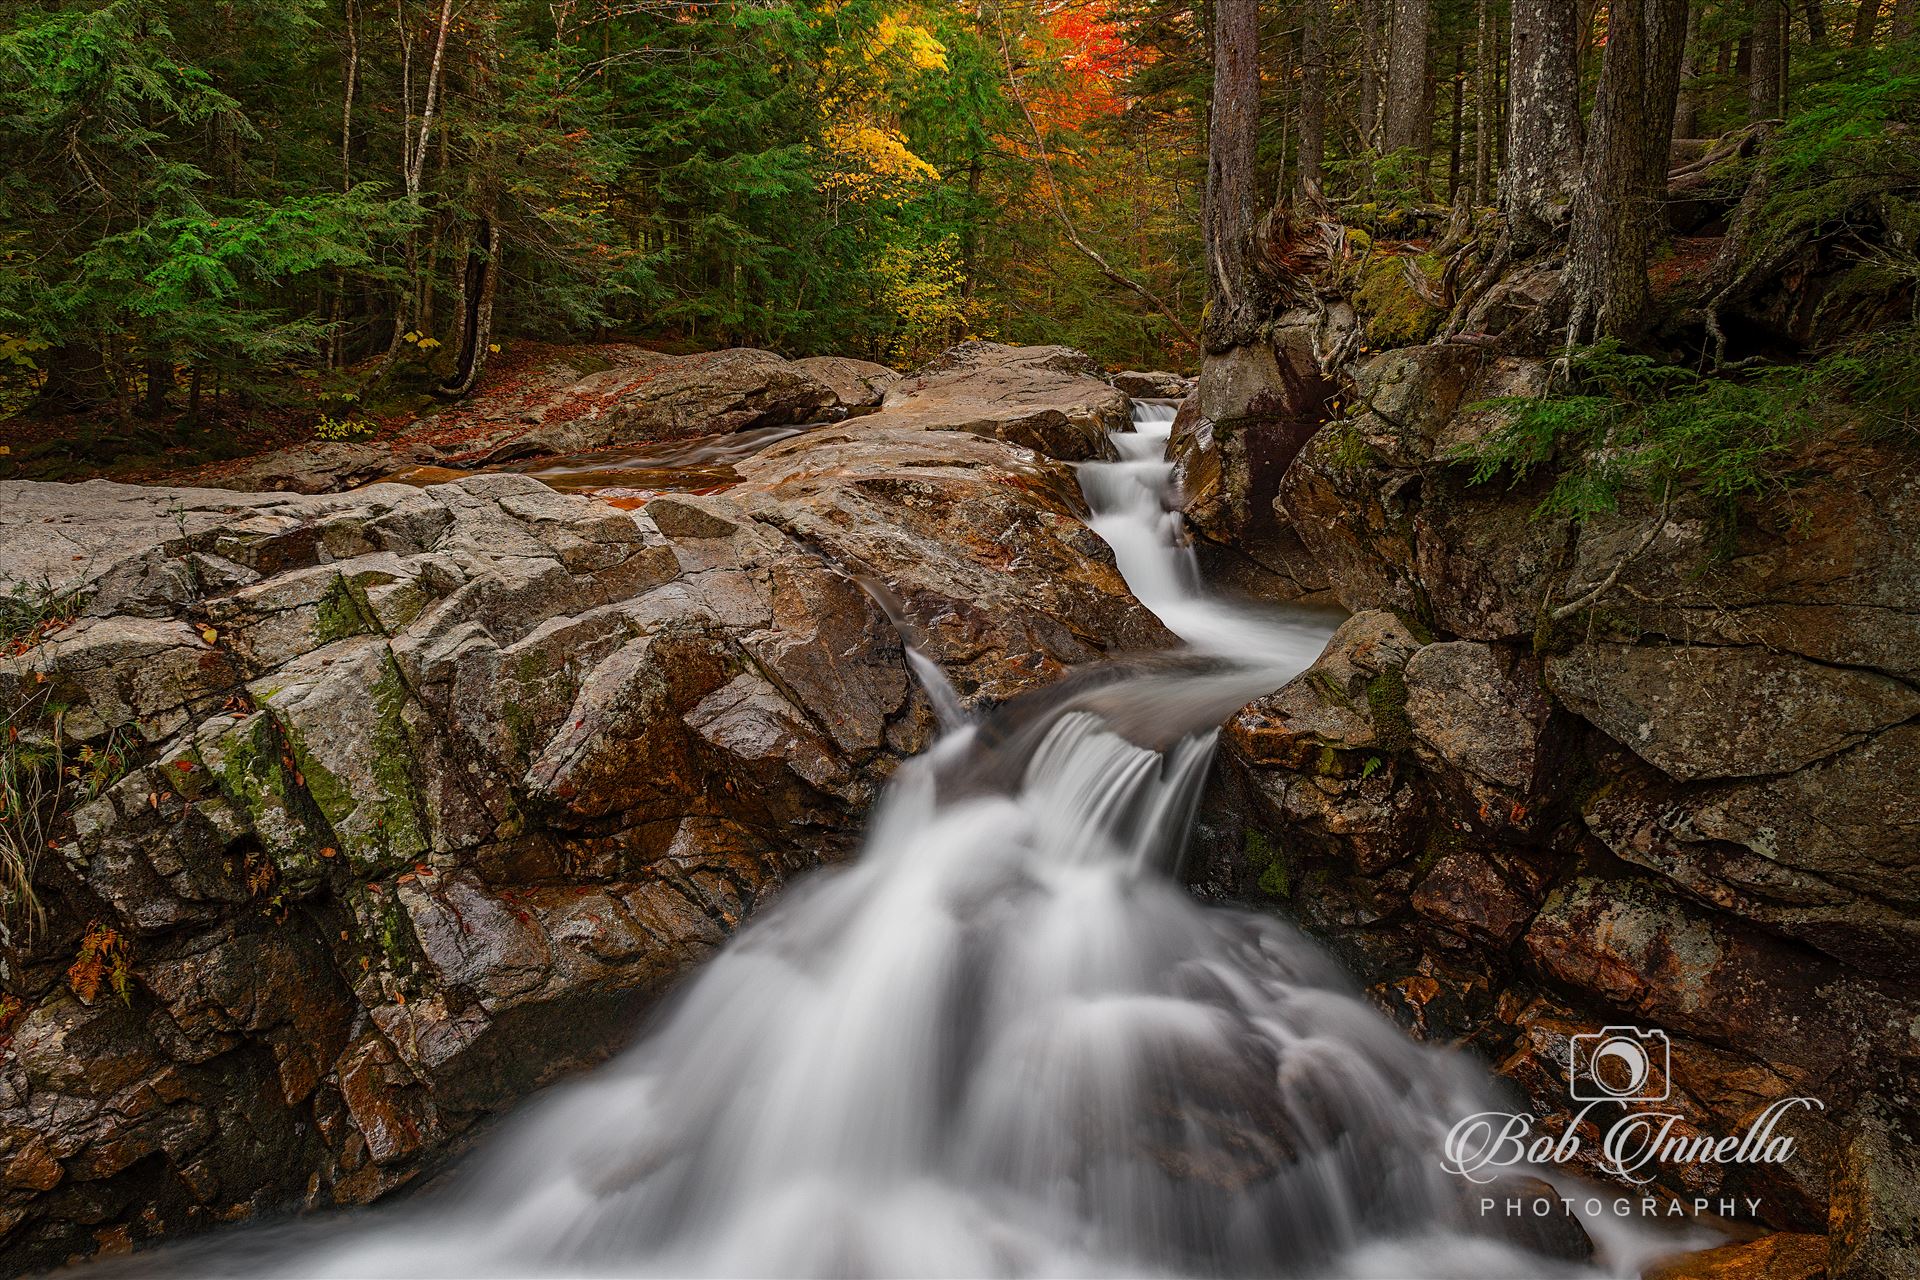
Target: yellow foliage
(896, 34)
(922, 287)
(873, 161)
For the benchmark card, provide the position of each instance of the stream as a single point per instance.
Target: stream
(1003, 1042)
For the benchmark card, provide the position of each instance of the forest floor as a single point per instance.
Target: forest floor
(173, 450)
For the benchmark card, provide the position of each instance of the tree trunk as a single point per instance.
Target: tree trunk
(159, 381)
(1544, 140)
(479, 281)
(1766, 62)
(1370, 72)
(1459, 116)
(1406, 124)
(1686, 111)
(1906, 18)
(75, 380)
(1816, 22)
(1484, 75)
(1621, 208)
(1313, 97)
(1865, 19)
(1237, 303)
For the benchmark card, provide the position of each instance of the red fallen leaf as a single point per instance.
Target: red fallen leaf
(329, 852)
(407, 878)
(184, 766)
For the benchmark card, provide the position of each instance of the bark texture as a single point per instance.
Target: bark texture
(1543, 125)
(1236, 302)
(1408, 106)
(1619, 212)
(1313, 96)
(1766, 69)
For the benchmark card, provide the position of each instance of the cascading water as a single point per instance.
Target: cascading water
(1002, 1042)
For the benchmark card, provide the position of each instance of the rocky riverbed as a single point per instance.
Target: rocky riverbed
(417, 796)
(428, 791)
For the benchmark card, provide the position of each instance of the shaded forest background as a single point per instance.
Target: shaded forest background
(209, 209)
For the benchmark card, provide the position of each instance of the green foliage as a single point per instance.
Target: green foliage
(1628, 422)
(1844, 163)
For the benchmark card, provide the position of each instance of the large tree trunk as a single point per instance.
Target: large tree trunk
(1621, 208)
(1313, 97)
(1408, 107)
(1767, 62)
(1906, 19)
(1544, 142)
(1237, 304)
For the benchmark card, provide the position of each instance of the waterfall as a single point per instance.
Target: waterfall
(1002, 1042)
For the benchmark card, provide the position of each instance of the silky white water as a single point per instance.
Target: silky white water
(1003, 1042)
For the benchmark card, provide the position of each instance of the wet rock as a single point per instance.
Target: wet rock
(1354, 697)
(1823, 854)
(1782, 1256)
(1158, 385)
(651, 396)
(1479, 717)
(1874, 1227)
(1651, 954)
(1828, 575)
(1394, 525)
(1251, 412)
(1713, 712)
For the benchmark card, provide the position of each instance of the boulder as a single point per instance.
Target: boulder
(856, 384)
(1046, 399)
(660, 397)
(1153, 386)
(320, 467)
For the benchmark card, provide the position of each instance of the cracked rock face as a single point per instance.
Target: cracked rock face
(1691, 805)
(426, 792)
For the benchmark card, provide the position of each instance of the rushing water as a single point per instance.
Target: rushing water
(1002, 1042)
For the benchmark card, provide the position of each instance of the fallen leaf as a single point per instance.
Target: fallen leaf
(209, 634)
